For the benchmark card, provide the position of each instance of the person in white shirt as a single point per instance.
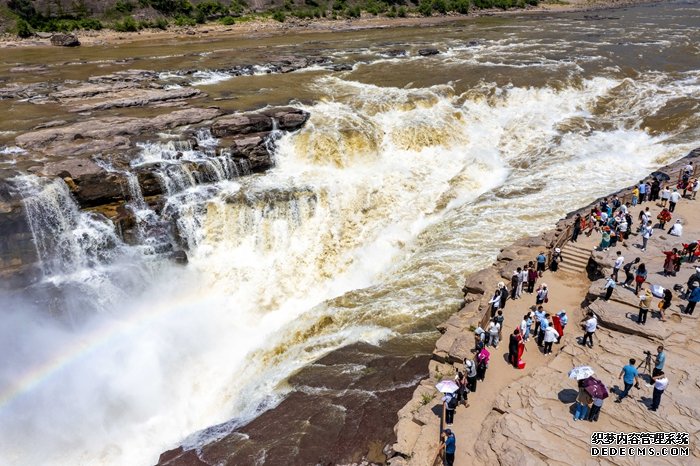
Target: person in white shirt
(522, 279)
(619, 261)
(660, 384)
(688, 169)
(644, 217)
(609, 287)
(673, 200)
(550, 336)
(695, 188)
(494, 329)
(647, 231)
(665, 196)
(676, 229)
(590, 325)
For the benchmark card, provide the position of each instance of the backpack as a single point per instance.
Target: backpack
(452, 403)
(484, 356)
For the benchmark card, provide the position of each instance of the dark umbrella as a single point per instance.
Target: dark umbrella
(661, 176)
(595, 388)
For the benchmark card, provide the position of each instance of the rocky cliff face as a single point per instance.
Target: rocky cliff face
(94, 158)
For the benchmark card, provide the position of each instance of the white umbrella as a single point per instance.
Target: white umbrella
(447, 386)
(581, 372)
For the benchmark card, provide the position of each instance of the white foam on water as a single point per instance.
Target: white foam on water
(207, 78)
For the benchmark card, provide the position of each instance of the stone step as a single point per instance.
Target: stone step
(575, 257)
(577, 247)
(577, 266)
(576, 250)
(572, 268)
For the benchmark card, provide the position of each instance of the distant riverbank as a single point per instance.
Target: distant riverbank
(264, 27)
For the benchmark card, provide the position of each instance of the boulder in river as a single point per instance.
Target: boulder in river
(65, 40)
(91, 184)
(287, 119)
(428, 52)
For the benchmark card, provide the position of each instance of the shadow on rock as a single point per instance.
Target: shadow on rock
(568, 395)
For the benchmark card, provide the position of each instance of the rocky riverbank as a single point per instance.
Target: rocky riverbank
(519, 425)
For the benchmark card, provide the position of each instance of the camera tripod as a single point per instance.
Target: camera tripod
(646, 363)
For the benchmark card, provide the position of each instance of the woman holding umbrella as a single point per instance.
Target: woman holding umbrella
(583, 399)
(583, 402)
(449, 401)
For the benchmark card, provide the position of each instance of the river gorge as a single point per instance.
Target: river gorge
(242, 246)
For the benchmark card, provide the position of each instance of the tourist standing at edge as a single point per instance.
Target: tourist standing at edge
(590, 325)
(451, 401)
(619, 261)
(640, 276)
(531, 277)
(504, 294)
(660, 384)
(495, 302)
(665, 196)
(470, 371)
(629, 274)
(693, 299)
(673, 200)
(644, 304)
(541, 262)
(583, 402)
(448, 446)
(659, 361)
(642, 191)
(576, 228)
(647, 231)
(550, 336)
(629, 376)
(542, 295)
(609, 287)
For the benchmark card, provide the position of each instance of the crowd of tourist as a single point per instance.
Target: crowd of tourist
(613, 219)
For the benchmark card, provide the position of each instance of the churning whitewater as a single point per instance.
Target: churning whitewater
(367, 224)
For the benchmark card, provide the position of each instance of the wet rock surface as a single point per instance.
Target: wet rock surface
(99, 161)
(325, 420)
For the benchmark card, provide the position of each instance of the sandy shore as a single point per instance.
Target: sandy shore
(265, 27)
(525, 416)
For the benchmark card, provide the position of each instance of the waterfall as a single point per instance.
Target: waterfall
(66, 238)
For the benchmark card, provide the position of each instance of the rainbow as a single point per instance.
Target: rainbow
(98, 338)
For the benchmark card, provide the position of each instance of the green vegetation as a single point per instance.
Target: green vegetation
(184, 13)
(183, 20)
(28, 20)
(426, 398)
(23, 29)
(128, 24)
